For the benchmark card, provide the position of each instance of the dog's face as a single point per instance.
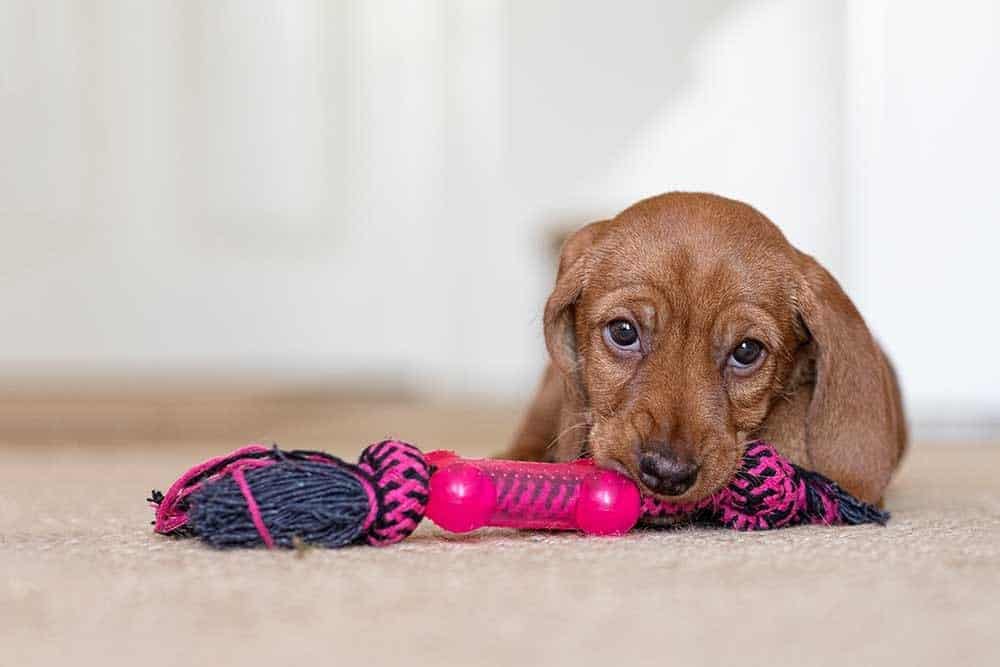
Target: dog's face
(679, 325)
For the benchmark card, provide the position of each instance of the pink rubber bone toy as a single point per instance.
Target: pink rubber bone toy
(467, 494)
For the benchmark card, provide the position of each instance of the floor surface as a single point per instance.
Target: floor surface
(83, 580)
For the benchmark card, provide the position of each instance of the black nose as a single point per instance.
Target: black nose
(666, 474)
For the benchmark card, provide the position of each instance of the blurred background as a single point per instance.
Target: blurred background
(363, 198)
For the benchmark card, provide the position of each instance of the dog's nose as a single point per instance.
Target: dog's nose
(666, 474)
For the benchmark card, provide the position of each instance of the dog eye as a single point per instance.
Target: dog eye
(622, 334)
(746, 353)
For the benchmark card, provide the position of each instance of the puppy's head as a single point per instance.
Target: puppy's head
(676, 325)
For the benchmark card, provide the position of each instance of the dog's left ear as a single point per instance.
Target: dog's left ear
(854, 424)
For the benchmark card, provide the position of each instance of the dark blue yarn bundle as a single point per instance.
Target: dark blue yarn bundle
(315, 503)
(852, 511)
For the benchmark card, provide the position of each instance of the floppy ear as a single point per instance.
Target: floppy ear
(552, 428)
(560, 330)
(854, 423)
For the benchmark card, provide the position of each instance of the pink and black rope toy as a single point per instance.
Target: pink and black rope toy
(263, 495)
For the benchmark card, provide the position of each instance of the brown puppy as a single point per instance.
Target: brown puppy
(688, 326)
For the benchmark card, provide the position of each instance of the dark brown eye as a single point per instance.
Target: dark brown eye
(622, 334)
(746, 353)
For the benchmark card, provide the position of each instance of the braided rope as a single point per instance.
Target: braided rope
(767, 492)
(400, 476)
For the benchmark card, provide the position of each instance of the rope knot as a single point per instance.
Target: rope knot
(399, 481)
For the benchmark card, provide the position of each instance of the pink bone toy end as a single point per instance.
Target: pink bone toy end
(609, 504)
(462, 498)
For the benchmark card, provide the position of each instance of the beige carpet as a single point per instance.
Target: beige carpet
(84, 581)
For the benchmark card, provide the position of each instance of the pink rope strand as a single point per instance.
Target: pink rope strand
(252, 507)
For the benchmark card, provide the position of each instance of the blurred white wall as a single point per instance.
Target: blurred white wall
(922, 215)
(367, 188)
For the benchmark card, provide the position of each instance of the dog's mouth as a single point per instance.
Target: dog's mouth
(719, 467)
(716, 469)
(618, 466)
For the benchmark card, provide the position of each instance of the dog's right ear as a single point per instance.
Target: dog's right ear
(574, 266)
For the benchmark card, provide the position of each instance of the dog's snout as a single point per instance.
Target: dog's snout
(665, 473)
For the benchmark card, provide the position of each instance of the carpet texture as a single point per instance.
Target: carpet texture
(84, 581)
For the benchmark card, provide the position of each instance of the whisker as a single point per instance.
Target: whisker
(558, 436)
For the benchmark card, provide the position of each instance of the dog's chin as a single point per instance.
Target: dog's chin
(694, 494)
